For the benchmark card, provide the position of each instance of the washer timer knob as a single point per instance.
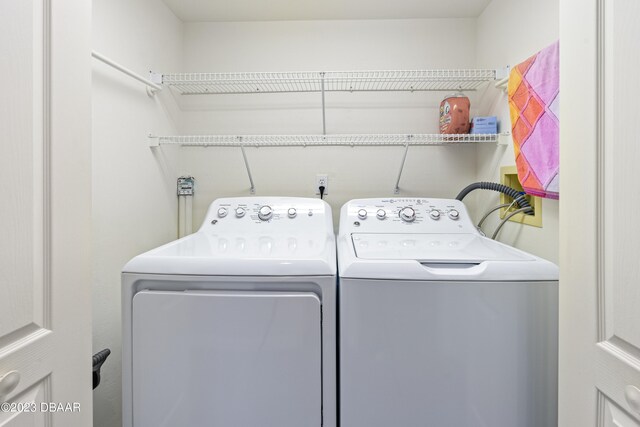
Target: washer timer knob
(434, 214)
(362, 213)
(381, 214)
(407, 214)
(265, 213)
(222, 212)
(292, 212)
(454, 214)
(240, 212)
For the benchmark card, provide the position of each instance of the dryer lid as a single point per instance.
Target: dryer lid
(434, 248)
(251, 236)
(241, 254)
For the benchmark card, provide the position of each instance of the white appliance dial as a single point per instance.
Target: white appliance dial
(434, 214)
(407, 214)
(292, 212)
(381, 214)
(454, 214)
(240, 212)
(265, 213)
(362, 213)
(222, 212)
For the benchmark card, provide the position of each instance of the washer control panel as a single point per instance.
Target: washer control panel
(401, 215)
(282, 213)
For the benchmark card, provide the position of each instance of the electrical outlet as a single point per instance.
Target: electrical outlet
(322, 180)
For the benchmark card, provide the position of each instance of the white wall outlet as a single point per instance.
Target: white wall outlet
(322, 180)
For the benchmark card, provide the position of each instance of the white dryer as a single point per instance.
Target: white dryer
(440, 326)
(235, 325)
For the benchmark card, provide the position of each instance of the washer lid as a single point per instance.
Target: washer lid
(434, 248)
(437, 257)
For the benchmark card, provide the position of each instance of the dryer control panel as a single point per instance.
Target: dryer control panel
(402, 215)
(268, 213)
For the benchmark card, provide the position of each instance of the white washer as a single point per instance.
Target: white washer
(235, 325)
(440, 326)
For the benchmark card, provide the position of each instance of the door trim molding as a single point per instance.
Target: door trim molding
(46, 165)
(600, 169)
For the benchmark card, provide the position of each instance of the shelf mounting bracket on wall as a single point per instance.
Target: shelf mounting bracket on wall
(504, 138)
(396, 190)
(252, 189)
(502, 78)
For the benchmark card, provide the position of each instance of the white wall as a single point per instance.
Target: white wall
(134, 202)
(318, 46)
(508, 32)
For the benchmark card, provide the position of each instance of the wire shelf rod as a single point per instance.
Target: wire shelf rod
(125, 70)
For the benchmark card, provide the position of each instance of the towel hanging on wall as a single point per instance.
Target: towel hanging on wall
(534, 99)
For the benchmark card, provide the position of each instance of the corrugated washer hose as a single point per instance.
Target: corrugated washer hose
(494, 186)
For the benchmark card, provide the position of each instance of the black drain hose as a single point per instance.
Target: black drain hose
(98, 359)
(511, 192)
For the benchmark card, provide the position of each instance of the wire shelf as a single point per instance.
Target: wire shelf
(323, 140)
(330, 81)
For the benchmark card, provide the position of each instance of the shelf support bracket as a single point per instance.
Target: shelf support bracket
(155, 77)
(252, 190)
(502, 78)
(153, 140)
(503, 73)
(324, 120)
(504, 138)
(396, 190)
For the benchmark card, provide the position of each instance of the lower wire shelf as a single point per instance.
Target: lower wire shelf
(322, 140)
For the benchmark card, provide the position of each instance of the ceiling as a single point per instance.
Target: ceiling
(286, 10)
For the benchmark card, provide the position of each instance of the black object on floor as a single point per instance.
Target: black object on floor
(98, 359)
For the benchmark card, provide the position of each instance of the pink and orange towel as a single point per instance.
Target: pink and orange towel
(534, 98)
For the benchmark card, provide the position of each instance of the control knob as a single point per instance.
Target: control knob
(265, 213)
(222, 212)
(381, 214)
(454, 214)
(292, 212)
(362, 213)
(407, 214)
(240, 212)
(434, 214)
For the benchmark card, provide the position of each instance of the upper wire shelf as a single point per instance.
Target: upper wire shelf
(329, 81)
(322, 140)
